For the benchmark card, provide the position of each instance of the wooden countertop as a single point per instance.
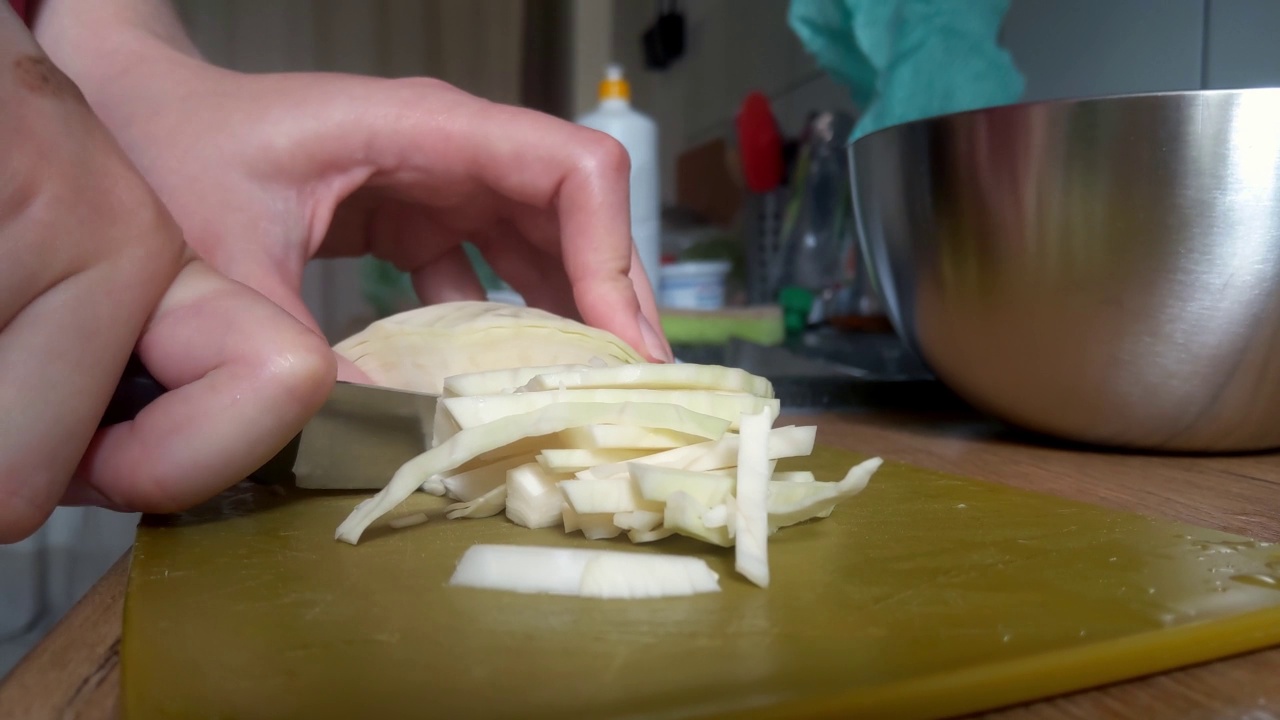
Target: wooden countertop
(74, 672)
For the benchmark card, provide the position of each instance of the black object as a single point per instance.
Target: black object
(664, 40)
(138, 388)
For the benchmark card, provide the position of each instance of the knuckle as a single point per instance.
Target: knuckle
(420, 86)
(604, 157)
(299, 368)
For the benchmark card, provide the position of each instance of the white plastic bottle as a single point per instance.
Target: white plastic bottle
(638, 133)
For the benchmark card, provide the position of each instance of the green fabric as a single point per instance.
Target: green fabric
(905, 60)
(488, 278)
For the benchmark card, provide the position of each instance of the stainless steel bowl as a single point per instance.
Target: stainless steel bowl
(1104, 270)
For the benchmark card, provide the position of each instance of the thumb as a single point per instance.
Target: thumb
(243, 378)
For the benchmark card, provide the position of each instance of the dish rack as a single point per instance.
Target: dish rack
(762, 215)
(853, 304)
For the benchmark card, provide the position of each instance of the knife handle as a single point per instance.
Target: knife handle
(138, 388)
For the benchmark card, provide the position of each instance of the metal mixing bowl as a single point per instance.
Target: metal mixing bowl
(1105, 270)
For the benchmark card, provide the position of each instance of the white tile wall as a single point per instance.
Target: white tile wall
(1068, 48)
(1241, 44)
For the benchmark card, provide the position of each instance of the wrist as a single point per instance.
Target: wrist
(123, 54)
(90, 27)
(110, 47)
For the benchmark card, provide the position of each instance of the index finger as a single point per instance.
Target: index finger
(430, 139)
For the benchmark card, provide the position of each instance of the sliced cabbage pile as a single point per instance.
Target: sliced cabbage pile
(642, 451)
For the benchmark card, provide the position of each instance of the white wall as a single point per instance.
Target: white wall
(591, 43)
(732, 48)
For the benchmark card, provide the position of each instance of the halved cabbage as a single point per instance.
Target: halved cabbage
(417, 349)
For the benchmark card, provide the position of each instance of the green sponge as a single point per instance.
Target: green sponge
(761, 324)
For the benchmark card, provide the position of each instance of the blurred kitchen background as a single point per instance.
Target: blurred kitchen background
(694, 76)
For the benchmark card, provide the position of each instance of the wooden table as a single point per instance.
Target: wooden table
(74, 672)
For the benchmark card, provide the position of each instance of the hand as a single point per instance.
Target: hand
(93, 264)
(265, 172)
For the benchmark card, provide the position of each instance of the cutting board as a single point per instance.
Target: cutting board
(928, 595)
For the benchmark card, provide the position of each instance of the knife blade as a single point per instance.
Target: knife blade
(356, 441)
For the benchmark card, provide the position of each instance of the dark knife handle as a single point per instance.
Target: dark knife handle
(138, 388)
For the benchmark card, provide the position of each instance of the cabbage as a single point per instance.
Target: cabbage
(417, 349)
(642, 449)
(603, 574)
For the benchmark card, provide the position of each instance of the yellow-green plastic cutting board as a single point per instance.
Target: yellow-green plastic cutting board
(926, 596)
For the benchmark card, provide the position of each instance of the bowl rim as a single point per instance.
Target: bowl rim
(1070, 101)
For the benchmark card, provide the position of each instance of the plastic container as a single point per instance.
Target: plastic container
(694, 284)
(638, 133)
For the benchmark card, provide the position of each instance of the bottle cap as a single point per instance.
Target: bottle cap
(614, 86)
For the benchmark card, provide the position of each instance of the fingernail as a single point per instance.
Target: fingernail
(653, 341)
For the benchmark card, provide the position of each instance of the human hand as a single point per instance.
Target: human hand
(92, 265)
(265, 172)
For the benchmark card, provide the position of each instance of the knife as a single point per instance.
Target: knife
(356, 441)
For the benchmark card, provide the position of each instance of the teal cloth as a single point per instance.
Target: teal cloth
(905, 60)
(389, 290)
